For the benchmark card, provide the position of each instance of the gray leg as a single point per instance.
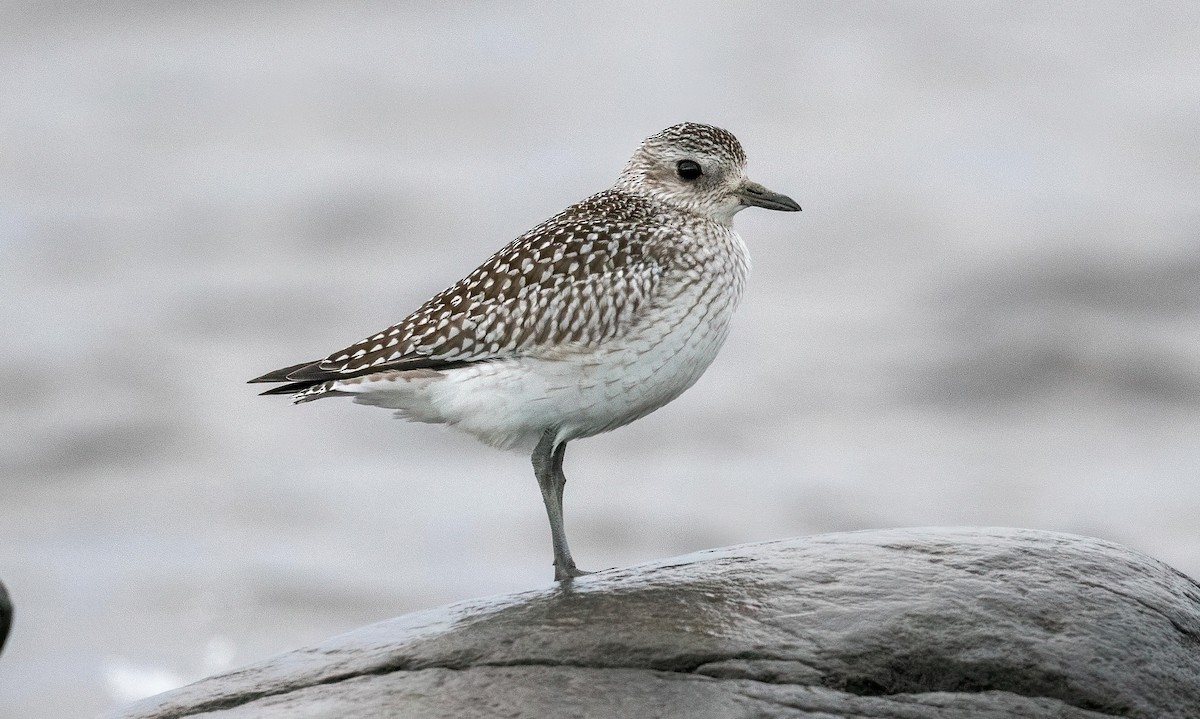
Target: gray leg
(547, 466)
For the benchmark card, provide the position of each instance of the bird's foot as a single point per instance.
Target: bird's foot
(568, 572)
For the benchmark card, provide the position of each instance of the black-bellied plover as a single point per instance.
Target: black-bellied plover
(596, 317)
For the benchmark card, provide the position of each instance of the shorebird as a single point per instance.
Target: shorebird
(593, 319)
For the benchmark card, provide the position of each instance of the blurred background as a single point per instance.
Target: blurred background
(987, 314)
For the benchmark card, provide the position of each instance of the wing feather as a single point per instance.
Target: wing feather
(579, 278)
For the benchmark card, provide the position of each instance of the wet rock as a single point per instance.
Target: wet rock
(949, 623)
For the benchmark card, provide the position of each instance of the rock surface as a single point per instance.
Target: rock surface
(950, 623)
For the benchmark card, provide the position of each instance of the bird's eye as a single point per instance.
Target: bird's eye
(688, 169)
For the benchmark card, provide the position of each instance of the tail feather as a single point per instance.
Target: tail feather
(303, 390)
(281, 375)
(291, 388)
(308, 380)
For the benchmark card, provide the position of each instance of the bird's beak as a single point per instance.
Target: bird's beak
(752, 193)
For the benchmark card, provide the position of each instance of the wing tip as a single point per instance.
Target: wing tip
(282, 375)
(287, 388)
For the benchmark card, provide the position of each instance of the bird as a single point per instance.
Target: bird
(591, 320)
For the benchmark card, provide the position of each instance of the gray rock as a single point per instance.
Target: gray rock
(951, 623)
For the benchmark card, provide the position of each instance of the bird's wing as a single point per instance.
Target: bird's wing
(577, 279)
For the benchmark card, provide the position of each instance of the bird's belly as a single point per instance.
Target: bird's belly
(581, 391)
(620, 384)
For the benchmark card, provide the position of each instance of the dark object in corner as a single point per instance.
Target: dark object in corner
(6, 614)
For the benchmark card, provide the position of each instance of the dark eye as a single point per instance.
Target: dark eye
(688, 169)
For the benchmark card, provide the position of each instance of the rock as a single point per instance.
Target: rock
(6, 615)
(949, 623)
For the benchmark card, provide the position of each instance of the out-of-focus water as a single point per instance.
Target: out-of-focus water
(987, 314)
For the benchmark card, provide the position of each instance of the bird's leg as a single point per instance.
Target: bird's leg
(547, 466)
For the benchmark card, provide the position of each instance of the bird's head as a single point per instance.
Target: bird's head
(698, 168)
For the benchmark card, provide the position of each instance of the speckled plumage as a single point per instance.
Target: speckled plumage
(579, 277)
(594, 318)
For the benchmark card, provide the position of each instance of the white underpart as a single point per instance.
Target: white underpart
(581, 391)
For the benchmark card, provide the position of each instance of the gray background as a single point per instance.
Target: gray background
(988, 312)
